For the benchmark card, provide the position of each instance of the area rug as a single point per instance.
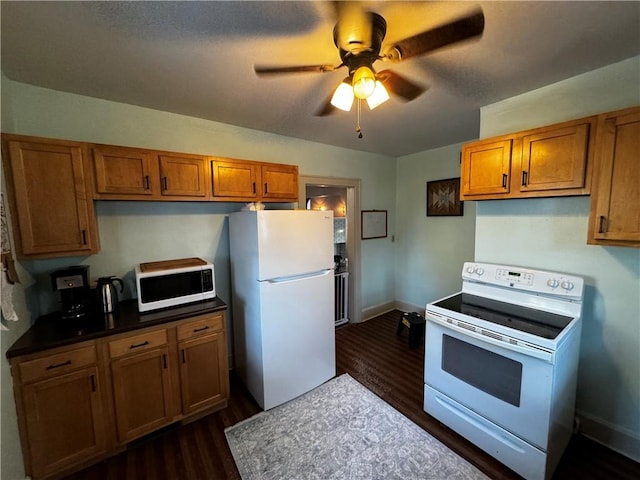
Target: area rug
(340, 430)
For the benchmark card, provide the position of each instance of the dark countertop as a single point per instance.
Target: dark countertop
(51, 331)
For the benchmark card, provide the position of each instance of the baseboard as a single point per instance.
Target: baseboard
(612, 436)
(372, 312)
(408, 307)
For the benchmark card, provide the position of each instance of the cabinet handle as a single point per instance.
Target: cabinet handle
(84, 237)
(524, 178)
(184, 356)
(254, 187)
(164, 360)
(196, 330)
(601, 226)
(58, 365)
(164, 183)
(504, 180)
(146, 182)
(265, 188)
(146, 342)
(93, 383)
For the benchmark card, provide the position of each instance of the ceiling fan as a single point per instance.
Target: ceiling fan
(358, 35)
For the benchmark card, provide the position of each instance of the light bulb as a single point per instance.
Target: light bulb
(343, 97)
(364, 82)
(378, 97)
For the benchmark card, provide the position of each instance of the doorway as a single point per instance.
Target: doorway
(341, 195)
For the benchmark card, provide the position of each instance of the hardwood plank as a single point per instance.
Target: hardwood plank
(374, 355)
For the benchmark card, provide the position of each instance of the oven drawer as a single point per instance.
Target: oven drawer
(514, 452)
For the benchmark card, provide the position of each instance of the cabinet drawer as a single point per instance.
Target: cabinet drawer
(56, 364)
(200, 326)
(137, 343)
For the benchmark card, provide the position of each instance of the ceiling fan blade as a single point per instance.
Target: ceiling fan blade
(399, 85)
(326, 109)
(263, 71)
(462, 29)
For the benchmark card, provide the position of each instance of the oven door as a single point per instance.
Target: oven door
(503, 383)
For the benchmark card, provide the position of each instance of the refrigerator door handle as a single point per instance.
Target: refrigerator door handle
(293, 278)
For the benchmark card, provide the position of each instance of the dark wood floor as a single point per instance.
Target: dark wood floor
(372, 354)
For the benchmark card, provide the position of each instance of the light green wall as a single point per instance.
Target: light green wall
(430, 251)
(551, 234)
(132, 232)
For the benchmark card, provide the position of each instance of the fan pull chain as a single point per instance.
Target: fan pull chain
(358, 129)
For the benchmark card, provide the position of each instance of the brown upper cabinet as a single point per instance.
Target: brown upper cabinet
(543, 162)
(243, 180)
(123, 173)
(50, 197)
(614, 218)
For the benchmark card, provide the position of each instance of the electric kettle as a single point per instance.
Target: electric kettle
(107, 294)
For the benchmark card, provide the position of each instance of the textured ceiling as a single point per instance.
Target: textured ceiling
(197, 58)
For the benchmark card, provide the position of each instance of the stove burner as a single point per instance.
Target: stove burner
(535, 322)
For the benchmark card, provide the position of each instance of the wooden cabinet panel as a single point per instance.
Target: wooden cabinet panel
(183, 176)
(64, 421)
(235, 179)
(485, 167)
(542, 162)
(123, 171)
(137, 343)
(555, 159)
(48, 194)
(142, 393)
(80, 403)
(201, 325)
(615, 204)
(280, 182)
(203, 372)
(56, 364)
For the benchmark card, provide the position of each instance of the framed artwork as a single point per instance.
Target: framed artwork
(443, 198)
(374, 224)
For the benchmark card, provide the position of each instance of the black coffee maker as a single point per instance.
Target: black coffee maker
(73, 285)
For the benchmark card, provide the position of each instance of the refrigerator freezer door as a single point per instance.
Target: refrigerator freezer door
(298, 337)
(293, 242)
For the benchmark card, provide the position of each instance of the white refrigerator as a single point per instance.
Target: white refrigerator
(283, 301)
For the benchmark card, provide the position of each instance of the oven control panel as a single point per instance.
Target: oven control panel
(526, 279)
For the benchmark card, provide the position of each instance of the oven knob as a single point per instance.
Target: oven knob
(479, 270)
(553, 283)
(567, 285)
(470, 269)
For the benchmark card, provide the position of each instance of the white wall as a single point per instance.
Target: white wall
(132, 232)
(551, 234)
(430, 251)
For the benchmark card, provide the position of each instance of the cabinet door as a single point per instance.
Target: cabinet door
(53, 214)
(555, 159)
(203, 372)
(615, 203)
(142, 393)
(183, 176)
(280, 182)
(235, 180)
(485, 168)
(64, 419)
(124, 172)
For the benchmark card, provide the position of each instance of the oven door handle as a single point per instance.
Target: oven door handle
(545, 355)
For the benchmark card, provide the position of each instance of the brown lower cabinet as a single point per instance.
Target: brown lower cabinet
(79, 404)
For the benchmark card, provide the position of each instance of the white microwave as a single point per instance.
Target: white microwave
(170, 287)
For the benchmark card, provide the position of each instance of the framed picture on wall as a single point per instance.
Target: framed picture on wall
(374, 224)
(443, 198)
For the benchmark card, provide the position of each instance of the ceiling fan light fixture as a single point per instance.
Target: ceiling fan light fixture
(343, 96)
(378, 97)
(364, 82)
